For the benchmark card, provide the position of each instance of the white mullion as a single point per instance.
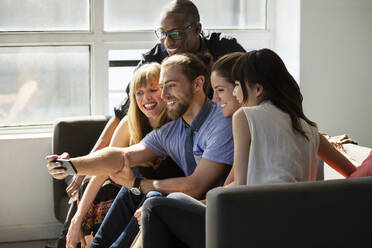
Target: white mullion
(99, 59)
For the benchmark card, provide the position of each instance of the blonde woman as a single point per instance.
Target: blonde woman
(146, 112)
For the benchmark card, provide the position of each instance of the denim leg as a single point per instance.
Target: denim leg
(117, 218)
(127, 237)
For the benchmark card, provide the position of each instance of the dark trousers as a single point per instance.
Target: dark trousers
(119, 227)
(173, 221)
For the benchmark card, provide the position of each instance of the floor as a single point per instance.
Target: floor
(27, 244)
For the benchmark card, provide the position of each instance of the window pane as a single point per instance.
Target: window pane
(239, 14)
(120, 76)
(123, 15)
(44, 15)
(40, 84)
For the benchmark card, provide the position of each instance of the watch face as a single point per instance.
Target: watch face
(135, 191)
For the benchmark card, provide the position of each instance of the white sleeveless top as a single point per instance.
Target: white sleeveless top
(278, 153)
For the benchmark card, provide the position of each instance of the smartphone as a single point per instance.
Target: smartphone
(67, 165)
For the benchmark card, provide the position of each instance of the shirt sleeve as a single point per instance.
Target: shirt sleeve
(155, 142)
(220, 146)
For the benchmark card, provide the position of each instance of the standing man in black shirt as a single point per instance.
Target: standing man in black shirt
(180, 31)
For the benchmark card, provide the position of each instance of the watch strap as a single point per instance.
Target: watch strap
(137, 182)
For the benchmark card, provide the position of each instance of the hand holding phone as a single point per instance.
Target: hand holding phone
(67, 165)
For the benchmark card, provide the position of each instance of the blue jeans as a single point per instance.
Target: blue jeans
(119, 227)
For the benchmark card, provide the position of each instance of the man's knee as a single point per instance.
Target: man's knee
(152, 203)
(178, 196)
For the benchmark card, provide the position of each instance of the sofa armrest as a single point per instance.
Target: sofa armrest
(77, 136)
(333, 213)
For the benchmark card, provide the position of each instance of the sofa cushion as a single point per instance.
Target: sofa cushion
(365, 169)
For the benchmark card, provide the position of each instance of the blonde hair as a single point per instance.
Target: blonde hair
(139, 124)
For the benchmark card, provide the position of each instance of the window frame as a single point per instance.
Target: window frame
(100, 42)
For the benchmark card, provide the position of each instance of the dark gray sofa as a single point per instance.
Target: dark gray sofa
(334, 213)
(77, 136)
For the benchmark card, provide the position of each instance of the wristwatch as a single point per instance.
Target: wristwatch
(136, 190)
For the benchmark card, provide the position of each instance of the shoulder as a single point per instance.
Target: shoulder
(217, 117)
(217, 123)
(156, 54)
(239, 117)
(220, 44)
(221, 39)
(124, 123)
(217, 37)
(169, 127)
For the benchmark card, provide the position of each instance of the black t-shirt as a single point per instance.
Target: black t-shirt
(217, 44)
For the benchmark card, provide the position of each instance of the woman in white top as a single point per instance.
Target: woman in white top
(272, 128)
(273, 142)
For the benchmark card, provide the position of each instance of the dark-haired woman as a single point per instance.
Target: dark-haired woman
(273, 142)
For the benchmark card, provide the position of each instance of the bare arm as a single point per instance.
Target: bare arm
(103, 141)
(205, 176)
(106, 135)
(242, 143)
(230, 177)
(120, 139)
(110, 160)
(74, 236)
(334, 158)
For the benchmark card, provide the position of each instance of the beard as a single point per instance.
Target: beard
(178, 111)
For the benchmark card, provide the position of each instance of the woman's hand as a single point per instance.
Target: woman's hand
(74, 185)
(54, 168)
(339, 140)
(75, 234)
(138, 215)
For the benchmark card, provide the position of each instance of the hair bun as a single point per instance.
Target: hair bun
(206, 58)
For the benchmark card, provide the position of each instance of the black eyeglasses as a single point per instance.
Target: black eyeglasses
(174, 35)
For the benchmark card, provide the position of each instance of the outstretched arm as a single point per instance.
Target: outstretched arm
(110, 160)
(334, 158)
(205, 176)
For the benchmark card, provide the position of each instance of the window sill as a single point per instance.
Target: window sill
(26, 132)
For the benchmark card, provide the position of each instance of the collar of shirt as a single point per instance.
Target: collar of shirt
(201, 116)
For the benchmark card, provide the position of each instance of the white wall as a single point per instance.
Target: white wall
(286, 29)
(335, 77)
(26, 193)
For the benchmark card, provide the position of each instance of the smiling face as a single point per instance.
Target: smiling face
(149, 100)
(176, 90)
(189, 33)
(223, 94)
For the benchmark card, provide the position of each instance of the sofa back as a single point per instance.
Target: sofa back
(77, 136)
(334, 213)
